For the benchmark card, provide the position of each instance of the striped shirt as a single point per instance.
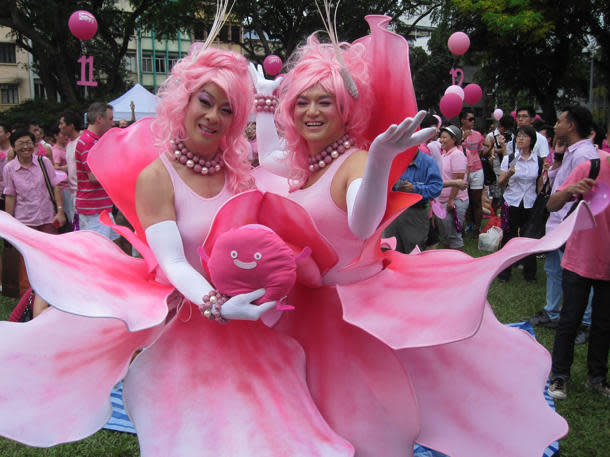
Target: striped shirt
(91, 198)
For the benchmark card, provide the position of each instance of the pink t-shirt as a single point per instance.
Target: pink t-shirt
(59, 159)
(59, 155)
(40, 150)
(454, 161)
(473, 144)
(3, 161)
(33, 204)
(586, 252)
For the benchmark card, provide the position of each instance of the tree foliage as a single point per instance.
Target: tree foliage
(279, 27)
(530, 47)
(41, 28)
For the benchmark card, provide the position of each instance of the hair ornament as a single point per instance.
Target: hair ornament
(223, 10)
(330, 24)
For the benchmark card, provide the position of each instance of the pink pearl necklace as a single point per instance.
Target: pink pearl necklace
(330, 153)
(198, 164)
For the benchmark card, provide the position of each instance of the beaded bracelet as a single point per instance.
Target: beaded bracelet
(212, 302)
(265, 103)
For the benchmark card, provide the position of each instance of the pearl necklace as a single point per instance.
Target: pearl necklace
(330, 153)
(198, 164)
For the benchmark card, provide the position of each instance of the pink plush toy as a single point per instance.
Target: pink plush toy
(252, 257)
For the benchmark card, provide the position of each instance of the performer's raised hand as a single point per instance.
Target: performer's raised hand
(263, 86)
(397, 138)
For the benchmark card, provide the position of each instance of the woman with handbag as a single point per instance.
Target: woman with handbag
(521, 175)
(27, 196)
(454, 199)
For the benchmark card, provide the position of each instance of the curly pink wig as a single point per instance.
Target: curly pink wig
(316, 63)
(229, 71)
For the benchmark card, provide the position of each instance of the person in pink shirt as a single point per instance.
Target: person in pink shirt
(606, 140)
(91, 198)
(455, 200)
(69, 126)
(42, 147)
(586, 266)
(6, 153)
(60, 163)
(26, 195)
(472, 143)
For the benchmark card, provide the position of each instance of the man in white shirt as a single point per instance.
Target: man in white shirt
(69, 126)
(526, 116)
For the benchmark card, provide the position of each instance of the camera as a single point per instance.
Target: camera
(508, 137)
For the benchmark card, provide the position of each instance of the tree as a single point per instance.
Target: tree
(41, 28)
(278, 26)
(529, 46)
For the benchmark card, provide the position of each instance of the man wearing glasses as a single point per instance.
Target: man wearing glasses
(526, 116)
(472, 142)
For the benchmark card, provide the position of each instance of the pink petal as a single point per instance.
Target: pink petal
(134, 150)
(57, 374)
(356, 381)
(85, 273)
(236, 390)
(437, 297)
(484, 396)
(385, 52)
(285, 217)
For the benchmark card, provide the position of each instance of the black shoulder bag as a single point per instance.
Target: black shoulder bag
(67, 227)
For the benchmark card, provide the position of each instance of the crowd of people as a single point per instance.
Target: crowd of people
(349, 339)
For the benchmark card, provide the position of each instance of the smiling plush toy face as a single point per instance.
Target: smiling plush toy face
(249, 258)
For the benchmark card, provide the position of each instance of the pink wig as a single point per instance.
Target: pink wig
(316, 63)
(229, 71)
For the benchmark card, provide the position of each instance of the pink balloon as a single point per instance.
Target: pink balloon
(455, 89)
(472, 94)
(82, 24)
(537, 117)
(272, 64)
(513, 114)
(458, 43)
(498, 113)
(450, 105)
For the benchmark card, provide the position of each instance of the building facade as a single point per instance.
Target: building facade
(16, 79)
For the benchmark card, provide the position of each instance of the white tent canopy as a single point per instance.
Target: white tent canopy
(144, 101)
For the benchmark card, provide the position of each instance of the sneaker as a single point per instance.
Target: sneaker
(583, 335)
(601, 387)
(542, 319)
(558, 389)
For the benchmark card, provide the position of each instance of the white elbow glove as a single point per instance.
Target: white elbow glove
(166, 244)
(367, 197)
(271, 151)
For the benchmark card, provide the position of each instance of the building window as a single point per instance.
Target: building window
(160, 64)
(147, 63)
(7, 53)
(172, 59)
(130, 63)
(200, 32)
(9, 94)
(39, 91)
(236, 33)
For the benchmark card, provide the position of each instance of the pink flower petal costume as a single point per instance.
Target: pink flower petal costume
(375, 355)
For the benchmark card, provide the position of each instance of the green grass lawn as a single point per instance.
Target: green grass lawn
(587, 413)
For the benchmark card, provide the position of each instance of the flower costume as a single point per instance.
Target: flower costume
(374, 356)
